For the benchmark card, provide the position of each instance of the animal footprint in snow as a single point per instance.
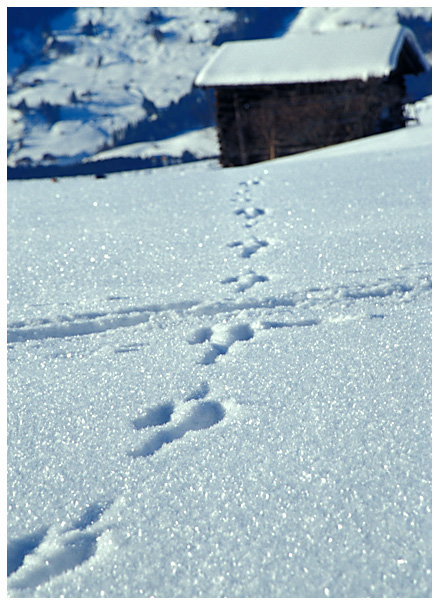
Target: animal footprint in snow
(203, 415)
(221, 337)
(243, 192)
(246, 281)
(250, 247)
(34, 560)
(199, 393)
(251, 214)
(200, 336)
(159, 415)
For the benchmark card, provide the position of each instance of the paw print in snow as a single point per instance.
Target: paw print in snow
(221, 337)
(246, 281)
(250, 247)
(203, 415)
(35, 559)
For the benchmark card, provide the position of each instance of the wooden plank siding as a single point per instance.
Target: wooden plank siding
(258, 123)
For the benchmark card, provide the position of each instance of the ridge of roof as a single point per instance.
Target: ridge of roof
(341, 54)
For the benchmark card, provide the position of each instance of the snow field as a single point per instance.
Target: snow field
(219, 380)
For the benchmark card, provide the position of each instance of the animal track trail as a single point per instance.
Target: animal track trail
(245, 194)
(35, 559)
(403, 287)
(80, 324)
(251, 245)
(203, 415)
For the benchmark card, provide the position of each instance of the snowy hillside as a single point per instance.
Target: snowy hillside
(323, 19)
(92, 79)
(105, 76)
(104, 70)
(219, 381)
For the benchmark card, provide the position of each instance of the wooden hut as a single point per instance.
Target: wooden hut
(308, 90)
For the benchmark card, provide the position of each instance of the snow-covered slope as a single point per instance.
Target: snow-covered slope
(323, 19)
(219, 381)
(102, 77)
(102, 70)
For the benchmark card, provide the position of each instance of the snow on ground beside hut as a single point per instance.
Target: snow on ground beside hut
(220, 380)
(201, 144)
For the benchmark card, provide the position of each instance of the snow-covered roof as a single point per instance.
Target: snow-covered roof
(343, 54)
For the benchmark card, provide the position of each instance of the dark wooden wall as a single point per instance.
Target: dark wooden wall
(264, 122)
